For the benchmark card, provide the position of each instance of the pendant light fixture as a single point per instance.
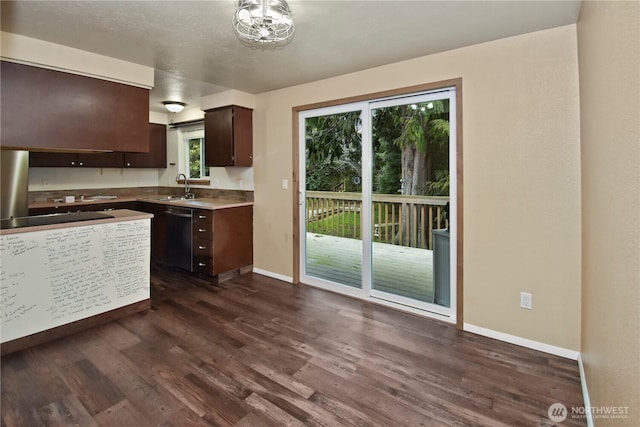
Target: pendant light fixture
(263, 23)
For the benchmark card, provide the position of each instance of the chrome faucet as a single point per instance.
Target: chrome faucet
(187, 187)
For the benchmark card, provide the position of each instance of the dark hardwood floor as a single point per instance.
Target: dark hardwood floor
(255, 351)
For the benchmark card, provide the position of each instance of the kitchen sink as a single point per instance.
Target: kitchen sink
(172, 198)
(193, 202)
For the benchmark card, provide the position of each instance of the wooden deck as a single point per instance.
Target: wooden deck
(396, 269)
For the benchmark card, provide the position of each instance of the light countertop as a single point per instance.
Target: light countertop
(117, 216)
(201, 203)
(207, 203)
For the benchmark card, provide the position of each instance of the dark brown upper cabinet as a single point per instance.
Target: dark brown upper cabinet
(228, 136)
(100, 160)
(51, 110)
(155, 158)
(41, 159)
(86, 160)
(157, 155)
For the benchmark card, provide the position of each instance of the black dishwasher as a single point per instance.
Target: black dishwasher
(180, 238)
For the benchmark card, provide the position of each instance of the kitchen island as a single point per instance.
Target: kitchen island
(57, 279)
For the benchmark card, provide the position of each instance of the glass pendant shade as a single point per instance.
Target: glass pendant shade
(263, 23)
(174, 106)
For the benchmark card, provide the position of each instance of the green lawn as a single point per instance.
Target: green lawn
(342, 225)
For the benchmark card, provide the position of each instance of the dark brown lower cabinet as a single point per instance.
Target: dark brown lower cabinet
(158, 230)
(222, 239)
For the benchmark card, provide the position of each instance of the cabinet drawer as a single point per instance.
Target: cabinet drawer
(203, 216)
(202, 247)
(202, 264)
(202, 231)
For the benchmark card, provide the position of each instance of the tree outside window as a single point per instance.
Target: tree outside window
(193, 149)
(197, 168)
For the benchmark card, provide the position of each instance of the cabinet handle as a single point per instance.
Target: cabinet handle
(202, 247)
(202, 216)
(202, 230)
(128, 164)
(81, 164)
(202, 264)
(73, 163)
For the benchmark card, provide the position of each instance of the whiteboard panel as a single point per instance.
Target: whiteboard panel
(53, 277)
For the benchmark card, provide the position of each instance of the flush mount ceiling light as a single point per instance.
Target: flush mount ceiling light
(263, 23)
(174, 106)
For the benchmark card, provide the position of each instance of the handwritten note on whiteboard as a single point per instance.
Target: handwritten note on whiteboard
(53, 277)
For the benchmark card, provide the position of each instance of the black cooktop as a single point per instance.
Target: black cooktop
(58, 218)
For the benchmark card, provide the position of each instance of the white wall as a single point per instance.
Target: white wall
(49, 179)
(231, 178)
(44, 54)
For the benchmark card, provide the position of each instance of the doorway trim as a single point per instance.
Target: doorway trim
(457, 83)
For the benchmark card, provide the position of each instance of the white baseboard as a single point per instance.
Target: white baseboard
(585, 392)
(523, 342)
(273, 275)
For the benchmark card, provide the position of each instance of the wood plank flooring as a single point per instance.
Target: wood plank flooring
(254, 351)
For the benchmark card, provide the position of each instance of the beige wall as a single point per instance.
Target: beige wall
(14, 47)
(521, 167)
(609, 51)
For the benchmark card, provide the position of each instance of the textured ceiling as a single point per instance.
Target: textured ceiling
(192, 46)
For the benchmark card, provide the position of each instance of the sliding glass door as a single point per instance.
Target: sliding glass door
(333, 196)
(377, 193)
(410, 194)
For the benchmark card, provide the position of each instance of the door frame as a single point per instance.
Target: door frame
(457, 83)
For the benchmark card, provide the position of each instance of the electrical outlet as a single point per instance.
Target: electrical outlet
(285, 184)
(526, 300)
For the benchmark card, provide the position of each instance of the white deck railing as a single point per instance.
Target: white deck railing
(397, 219)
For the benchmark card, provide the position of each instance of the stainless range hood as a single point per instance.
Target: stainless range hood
(14, 183)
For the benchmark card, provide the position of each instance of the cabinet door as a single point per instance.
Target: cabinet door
(218, 137)
(47, 109)
(243, 136)
(45, 211)
(101, 160)
(228, 136)
(39, 159)
(87, 160)
(232, 238)
(132, 119)
(157, 155)
(61, 208)
(158, 230)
